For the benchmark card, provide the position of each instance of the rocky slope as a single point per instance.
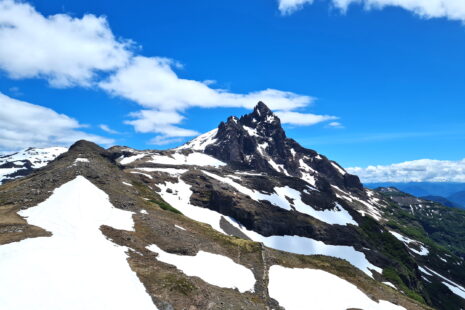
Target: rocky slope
(249, 199)
(22, 163)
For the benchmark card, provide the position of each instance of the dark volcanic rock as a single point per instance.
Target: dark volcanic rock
(258, 142)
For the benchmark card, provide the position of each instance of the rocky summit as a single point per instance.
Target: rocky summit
(241, 217)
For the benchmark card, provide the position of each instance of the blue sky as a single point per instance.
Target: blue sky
(393, 80)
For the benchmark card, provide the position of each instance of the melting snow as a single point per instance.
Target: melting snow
(201, 142)
(215, 269)
(144, 174)
(197, 159)
(339, 169)
(252, 132)
(39, 157)
(297, 289)
(130, 159)
(308, 246)
(179, 227)
(180, 199)
(126, 183)
(170, 171)
(390, 284)
(81, 160)
(407, 241)
(454, 287)
(337, 216)
(77, 267)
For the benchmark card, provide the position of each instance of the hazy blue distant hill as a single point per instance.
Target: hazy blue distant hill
(442, 200)
(458, 198)
(419, 189)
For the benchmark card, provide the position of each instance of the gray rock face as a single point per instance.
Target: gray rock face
(258, 142)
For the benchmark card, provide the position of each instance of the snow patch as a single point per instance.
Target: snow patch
(215, 269)
(53, 272)
(193, 159)
(308, 246)
(338, 215)
(407, 241)
(201, 142)
(179, 198)
(297, 289)
(130, 159)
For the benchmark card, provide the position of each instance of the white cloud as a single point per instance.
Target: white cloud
(107, 129)
(336, 125)
(159, 122)
(290, 6)
(68, 51)
(64, 50)
(422, 170)
(24, 124)
(152, 83)
(451, 9)
(303, 119)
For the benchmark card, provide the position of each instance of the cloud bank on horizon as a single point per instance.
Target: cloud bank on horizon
(45, 47)
(450, 9)
(422, 170)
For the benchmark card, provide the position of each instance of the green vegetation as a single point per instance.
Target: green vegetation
(392, 276)
(178, 283)
(165, 206)
(154, 198)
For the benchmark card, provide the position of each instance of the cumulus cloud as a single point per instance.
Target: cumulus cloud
(64, 50)
(153, 83)
(422, 170)
(69, 51)
(303, 119)
(24, 124)
(451, 9)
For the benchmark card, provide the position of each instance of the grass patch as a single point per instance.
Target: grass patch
(165, 206)
(179, 284)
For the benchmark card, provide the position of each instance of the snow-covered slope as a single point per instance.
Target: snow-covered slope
(77, 267)
(22, 163)
(297, 289)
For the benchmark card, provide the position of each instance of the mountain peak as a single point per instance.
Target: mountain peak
(261, 110)
(257, 141)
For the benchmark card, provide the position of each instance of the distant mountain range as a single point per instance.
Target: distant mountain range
(449, 193)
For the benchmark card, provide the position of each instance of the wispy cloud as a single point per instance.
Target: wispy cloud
(422, 170)
(302, 119)
(107, 129)
(451, 9)
(24, 124)
(69, 51)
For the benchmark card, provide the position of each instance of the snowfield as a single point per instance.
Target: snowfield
(215, 269)
(298, 289)
(77, 267)
(336, 216)
(179, 197)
